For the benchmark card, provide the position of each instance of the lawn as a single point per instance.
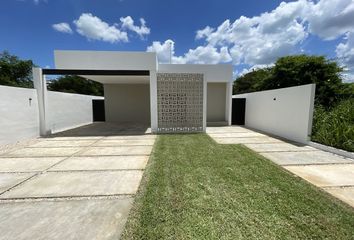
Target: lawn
(194, 188)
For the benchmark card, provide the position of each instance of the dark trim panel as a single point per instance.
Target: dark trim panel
(95, 72)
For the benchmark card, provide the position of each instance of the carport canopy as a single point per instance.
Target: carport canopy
(105, 76)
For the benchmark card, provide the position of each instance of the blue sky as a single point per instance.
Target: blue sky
(248, 34)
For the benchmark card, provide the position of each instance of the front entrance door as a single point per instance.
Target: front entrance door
(98, 110)
(238, 111)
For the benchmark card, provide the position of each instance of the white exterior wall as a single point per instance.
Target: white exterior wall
(216, 104)
(289, 116)
(105, 60)
(127, 103)
(220, 73)
(111, 60)
(66, 110)
(19, 117)
(212, 72)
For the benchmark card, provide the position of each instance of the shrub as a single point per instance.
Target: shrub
(335, 126)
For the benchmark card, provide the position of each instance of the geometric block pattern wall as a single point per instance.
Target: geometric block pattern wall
(180, 102)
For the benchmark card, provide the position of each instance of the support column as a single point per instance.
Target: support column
(40, 85)
(205, 97)
(153, 101)
(228, 110)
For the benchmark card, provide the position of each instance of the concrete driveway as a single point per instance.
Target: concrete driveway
(78, 184)
(333, 173)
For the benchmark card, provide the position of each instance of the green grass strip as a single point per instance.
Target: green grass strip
(194, 188)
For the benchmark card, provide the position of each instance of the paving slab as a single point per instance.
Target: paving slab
(73, 138)
(130, 137)
(27, 164)
(63, 184)
(278, 147)
(232, 129)
(121, 150)
(233, 135)
(44, 152)
(63, 143)
(70, 220)
(125, 142)
(325, 175)
(243, 140)
(8, 180)
(302, 158)
(346, 194)
(102, 163)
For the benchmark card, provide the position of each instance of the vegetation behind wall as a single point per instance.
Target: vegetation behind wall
(16, 72)
(333, 123)
(335, 126)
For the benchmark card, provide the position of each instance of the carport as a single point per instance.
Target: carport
(137, 90)
(126, 79)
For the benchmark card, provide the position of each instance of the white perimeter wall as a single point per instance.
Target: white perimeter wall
(19, 119)
(288, 116)
(212, 72)
(66, 110)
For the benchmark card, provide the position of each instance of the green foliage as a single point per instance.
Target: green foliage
(335, 126)
(294, 71)
(334, 113)
(194, 188)
(76, 84)
(346, 91)
(252, 81)
(302, 69)
(14, 71)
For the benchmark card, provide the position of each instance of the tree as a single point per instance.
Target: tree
(302, 69)
(298, 70)
(14, 71)
(76, 84)
(252, 81)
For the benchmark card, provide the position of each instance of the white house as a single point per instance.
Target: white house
(137, 89)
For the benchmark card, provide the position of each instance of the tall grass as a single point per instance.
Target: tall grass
(335, 127)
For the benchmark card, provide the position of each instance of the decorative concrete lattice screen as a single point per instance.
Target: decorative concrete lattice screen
(180, 102)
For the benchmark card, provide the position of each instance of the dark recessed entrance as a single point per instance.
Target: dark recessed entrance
(98, 110)
(238, 111)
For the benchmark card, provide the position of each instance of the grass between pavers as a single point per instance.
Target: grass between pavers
(194, 188)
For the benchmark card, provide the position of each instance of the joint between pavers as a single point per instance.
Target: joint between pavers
(18, 184)
(100, 146)
(339, 186)
(66, 198)
(283, 151)
(95, 170)
(81, 150)
(41, 172)
(315, 164)
(113, 155)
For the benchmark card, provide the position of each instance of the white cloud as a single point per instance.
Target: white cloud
(262, 39)
(258, 41)
(62, 27)
(128, 23)
(93, 28)
(330, 19)
(345, 55)
(163, 50)
(204, 32)
(207, 55)
(200, 55)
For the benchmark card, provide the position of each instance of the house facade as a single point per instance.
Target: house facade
(139, 90)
